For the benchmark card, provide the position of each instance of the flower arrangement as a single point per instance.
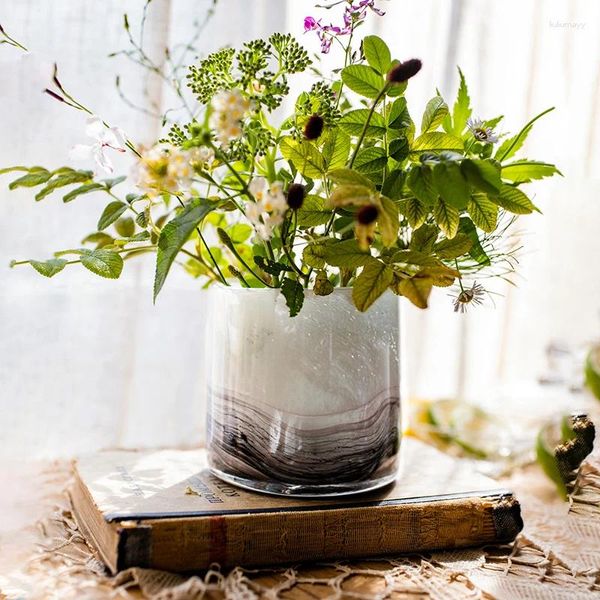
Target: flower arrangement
(348, 190)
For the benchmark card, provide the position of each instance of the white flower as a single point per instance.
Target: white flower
(269, 209)
(166, 168)
(229, 108)
(105, 137)
(480, 132)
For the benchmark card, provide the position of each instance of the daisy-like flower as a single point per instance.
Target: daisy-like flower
(269, 209)
(166, 168)
(473, 295)
(104, 138)
(480, 132)
(229, 109)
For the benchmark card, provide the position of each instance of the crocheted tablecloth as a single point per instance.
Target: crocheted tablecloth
(557, 556)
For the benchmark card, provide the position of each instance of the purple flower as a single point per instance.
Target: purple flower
(310, 24)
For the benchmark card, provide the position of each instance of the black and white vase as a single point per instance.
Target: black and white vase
(303, 406)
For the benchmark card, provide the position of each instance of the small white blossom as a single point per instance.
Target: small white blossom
(480, 132)
(229, 108)
(105, 137)
(269, 209)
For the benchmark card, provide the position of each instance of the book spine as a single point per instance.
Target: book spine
(286, 537)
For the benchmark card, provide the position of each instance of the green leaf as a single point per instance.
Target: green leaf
(447, 217)
(398, 117)
(477, 253)
(457, 246)
(240, 232)
(394, 184)
(417, 290)
(514, 200)
(174, 235)
(372, 282)
(270, 266)
(13, 169)
(523, 171)
(99, 238)
(350, 177)
(377, 53)
(483, 174)
(346, 254)
(293, 293)
(420, 182)
(399, 149)
(351, 195)
(103, 262)
(111, 213)
(363, 80)
(49, 268)
(314, 253)
(434, 114)
(111, 183)
(31, 179)
(305, 157)
(414, 211)
(125, 227)
(370, 160)
(389, 221)
(63, 180)
(462, 107)
(84, 189)
(313, 212)
(336, 149)
(451, 185)
(424, 238)
(322, 287)
(436, 141)
(353, 123)
(483, 212)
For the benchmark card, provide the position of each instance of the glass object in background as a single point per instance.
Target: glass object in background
(308, 405)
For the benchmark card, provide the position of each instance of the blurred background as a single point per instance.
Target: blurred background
(87, 363)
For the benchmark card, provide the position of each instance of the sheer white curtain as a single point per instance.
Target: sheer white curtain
(88, 363)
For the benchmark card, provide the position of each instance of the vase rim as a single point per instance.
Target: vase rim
(236, 290)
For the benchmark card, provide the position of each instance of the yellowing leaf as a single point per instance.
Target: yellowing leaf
(447, 217)
(416, 289)
(372, 282)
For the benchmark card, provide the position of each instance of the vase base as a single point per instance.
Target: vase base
(291, 490)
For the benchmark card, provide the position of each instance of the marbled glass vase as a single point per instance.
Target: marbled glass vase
(306, 405)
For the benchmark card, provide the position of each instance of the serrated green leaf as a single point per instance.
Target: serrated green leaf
(103, 262)
(415, 212)
(84, 189)
(336, 149)
(483, 174)
(313, 212)
(483, 212)
(125, 227)
(49, 268)
(353, 123)
(522, 171)
(370, 160)
(62, 181)
(305, 157)
(31, 179)
(347, 254)
(174, 235)
(372, 282)
(436, 141)
(398, 117)
(293, 292)
(447, 217)
(417, 290)
(394, 184)
(377, 53)
(424, 238)
(349, 177)
(434, 114)
(363, 80)
(420, 182)
(457, 246)
(462, 107)
(450, 184)
(111, 213)
(270, 266)
(514, 200)
(313, 254)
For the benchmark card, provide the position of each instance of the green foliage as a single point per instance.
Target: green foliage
(49, 268)
(101, 262)
(363, 80)
(462, 107)
(111, 213)
(293, 292)
(435, 112)
(377, 54)
(372, 282)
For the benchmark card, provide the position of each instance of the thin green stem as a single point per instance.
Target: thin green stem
(522, 132)
(247, 266)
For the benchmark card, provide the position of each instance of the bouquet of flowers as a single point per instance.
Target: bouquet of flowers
(350, 189)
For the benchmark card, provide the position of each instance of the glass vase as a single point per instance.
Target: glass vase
(306, 405)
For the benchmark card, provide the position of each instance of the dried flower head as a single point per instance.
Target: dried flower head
(314, 127)
(480, 132)
(295, 195)
(404, 71)
(367, 214)
(473, 295)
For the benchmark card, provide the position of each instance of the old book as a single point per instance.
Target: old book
(165, 510)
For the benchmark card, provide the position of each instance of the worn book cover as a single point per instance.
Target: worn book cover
(165, 510)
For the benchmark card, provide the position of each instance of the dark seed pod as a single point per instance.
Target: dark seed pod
(295, 195)
(404, 71)
(314, 127)
(367, 214)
